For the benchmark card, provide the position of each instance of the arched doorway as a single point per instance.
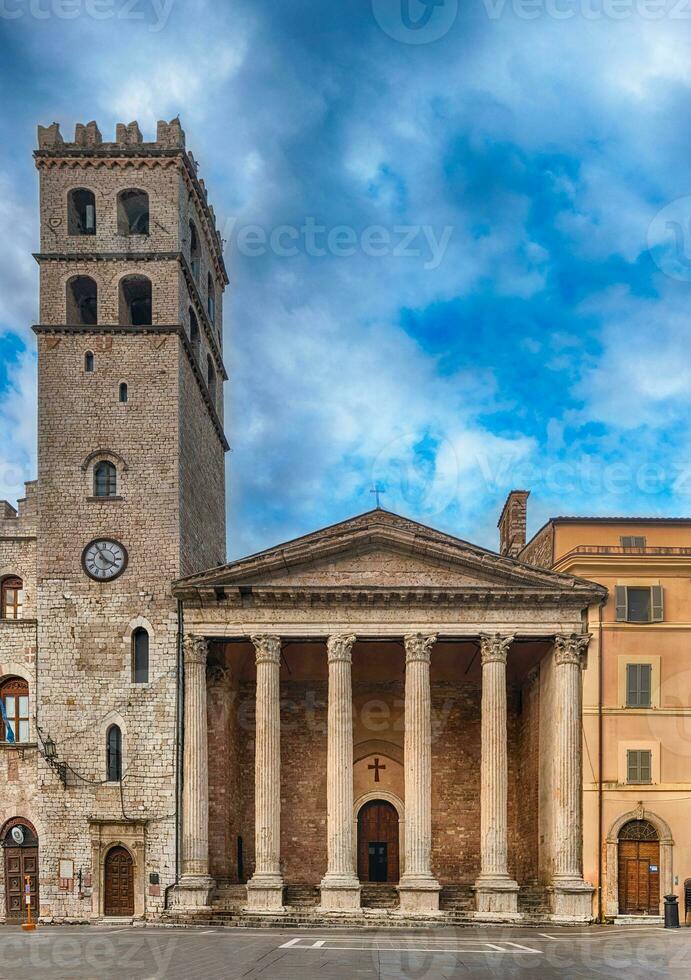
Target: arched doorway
(639, 869)
(118, 882)
(20, 844)
(377, 836)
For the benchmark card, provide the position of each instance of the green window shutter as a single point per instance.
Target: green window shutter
(657, 603)
(645, 677)
(645, 766)
(621, 603)
(631, 686)
(631, 767)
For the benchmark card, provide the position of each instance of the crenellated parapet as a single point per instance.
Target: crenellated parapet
(169, 135)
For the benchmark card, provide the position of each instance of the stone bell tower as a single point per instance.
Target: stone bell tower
(131, 492)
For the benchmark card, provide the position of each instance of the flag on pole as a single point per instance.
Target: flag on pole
(9, 734)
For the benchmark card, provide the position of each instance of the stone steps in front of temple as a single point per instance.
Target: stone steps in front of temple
(378, 895)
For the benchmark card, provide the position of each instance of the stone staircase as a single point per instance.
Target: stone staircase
(457, 899)
(301, 896)
(380, 907)
(379, 895)
(533, 902)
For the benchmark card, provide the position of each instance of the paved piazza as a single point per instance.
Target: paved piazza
(75, 952)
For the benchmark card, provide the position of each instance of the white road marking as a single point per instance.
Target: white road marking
(303, 943)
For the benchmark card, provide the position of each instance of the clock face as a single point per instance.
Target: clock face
(104, 559)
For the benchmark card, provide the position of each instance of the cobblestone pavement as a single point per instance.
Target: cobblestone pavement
(103, 952)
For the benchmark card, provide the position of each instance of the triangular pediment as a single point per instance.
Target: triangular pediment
(381, 550)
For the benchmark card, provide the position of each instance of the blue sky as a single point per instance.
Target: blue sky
(477, 219)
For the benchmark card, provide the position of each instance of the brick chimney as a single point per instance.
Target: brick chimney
(512, 523)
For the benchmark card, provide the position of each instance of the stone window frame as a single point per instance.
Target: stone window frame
(67, 197)
(69, 277)
(131, 234)
(114, 718)
(9, 669)
(638, 745)
(18, 605)
(139, 622)
(88, 467)
(612, 857)
(654, 660)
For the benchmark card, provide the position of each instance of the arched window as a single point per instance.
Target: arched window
(89, 362)
(211, 379)
(81, 301)
(135, 301)
(123, 393)
(194, 333)
(133, 212)
(14, 723)
(195, 251)
(11, 598)
(113, 754)
(81, 212)
(105, 479)
(140, 656)
(210, 298)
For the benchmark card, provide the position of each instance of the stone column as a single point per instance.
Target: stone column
(340, 887)
(495, 892)
(572, 896)
(418, 889)
(195, 885)
(265, 889)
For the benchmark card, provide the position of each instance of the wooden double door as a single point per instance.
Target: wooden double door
(118, 883)
(639, 877)
(21, 867)
(378, 858)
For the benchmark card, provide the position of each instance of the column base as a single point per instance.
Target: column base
(193, 892)
(340, 893)
(418, 895)
(265, 894)
(572, 900)
(496, 898)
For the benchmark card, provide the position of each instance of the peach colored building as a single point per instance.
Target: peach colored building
(636, 700)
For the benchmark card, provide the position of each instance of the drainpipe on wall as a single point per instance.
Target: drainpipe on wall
(600, 729)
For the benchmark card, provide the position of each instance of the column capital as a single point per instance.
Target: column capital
(570, 648)
(267, 648)
(418, 646)
(195, 649)
(340, 647)
(494, 647)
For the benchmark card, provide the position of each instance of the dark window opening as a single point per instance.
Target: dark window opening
(135, 301)
(133, 213)
(194, 333)
(89, 362)
(105, 479)
(210, 299)
(211, 379)
(81, 212)
(81, 301)
(195, 252)
(123, 393)
(140, 656)
(113, 754)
